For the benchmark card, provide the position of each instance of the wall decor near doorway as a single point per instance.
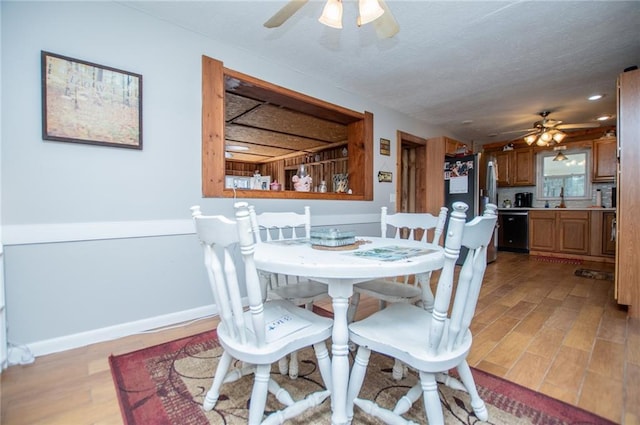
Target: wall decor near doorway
(385, 147)
(83, 102)
(385, 176)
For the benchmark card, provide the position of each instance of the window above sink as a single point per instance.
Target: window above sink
(572, 174)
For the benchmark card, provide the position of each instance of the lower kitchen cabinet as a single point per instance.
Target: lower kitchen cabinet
(608, 233)
(559, 231)
(573, 227)
(542, 231)
(603, 240)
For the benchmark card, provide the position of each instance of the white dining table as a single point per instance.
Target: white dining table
(340, 270)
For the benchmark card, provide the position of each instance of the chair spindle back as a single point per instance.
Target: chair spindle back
(219, 236)
(475, 236)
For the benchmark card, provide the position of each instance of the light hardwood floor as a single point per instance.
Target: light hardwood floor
(537, 324)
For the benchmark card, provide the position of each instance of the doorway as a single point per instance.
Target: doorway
(420, 186)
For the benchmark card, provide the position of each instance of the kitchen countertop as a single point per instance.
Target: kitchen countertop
(554, 208)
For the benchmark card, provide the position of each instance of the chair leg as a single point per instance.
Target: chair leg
(324, 364)
(356, 379)
(259, 394)
(399, 370)
(353, 307)
(283, 365)
(293, 365)
(432, 405)
(477, 403)
(211, 398)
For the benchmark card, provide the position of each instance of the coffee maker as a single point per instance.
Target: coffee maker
(524, 200)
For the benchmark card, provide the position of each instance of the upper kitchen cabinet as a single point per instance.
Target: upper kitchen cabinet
(627, 273)
(516, 167)
(604, 159)
(454, 147)
(255, 131)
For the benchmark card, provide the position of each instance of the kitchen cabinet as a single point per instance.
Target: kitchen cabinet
(604, 160)
(627, 271)
(453, 146)
(608, 246)
(542, 231)
(573, 228)
(516, 167)
(564, 232)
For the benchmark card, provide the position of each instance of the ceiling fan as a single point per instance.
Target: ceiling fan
(383, 21)
(547, 131)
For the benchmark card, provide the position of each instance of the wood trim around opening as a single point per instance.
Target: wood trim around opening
(359, 129)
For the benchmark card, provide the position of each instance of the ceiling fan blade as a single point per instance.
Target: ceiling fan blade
(520, 131)
(574, 126)
(386, 25)
(549, 123)
(285, 13)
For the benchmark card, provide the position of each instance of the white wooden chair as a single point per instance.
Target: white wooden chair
(431, 343)
(263, 334)
(408, 289)
(270, 226)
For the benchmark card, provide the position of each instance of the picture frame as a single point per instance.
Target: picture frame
(83, 102)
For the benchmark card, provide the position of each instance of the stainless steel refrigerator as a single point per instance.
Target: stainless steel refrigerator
(461, 183)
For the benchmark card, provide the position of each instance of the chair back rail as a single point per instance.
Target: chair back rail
(280, 225)
(405, 225)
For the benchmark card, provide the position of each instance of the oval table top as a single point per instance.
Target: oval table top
(375, 257)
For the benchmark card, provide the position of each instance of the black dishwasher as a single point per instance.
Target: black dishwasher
(513, 231)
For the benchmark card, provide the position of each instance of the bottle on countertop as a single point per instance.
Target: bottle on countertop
(546, 204)
(598, 198)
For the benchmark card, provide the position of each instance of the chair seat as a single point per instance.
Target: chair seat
(389, 291)
(295, 329)
(302, 292)
(402, 331)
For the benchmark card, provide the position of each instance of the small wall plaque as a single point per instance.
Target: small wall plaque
(385, 147)
(385, 176)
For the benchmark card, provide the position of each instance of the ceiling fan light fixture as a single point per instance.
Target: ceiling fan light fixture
(546, 137)
(368, 11)
(332, 14)
(530, 139)
(559, 136)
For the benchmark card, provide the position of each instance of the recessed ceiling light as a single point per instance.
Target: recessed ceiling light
(603, 117)
(467, 122)
(237, 148)
(596, 97)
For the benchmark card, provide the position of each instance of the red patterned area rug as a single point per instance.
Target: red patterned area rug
(166, 384)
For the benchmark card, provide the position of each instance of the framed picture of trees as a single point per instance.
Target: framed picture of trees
(83, 102)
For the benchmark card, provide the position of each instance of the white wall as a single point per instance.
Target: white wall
(98, 240)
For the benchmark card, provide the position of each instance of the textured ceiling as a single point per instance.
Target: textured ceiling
(496, 64)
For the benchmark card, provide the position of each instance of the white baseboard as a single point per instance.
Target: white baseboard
(68, 342)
